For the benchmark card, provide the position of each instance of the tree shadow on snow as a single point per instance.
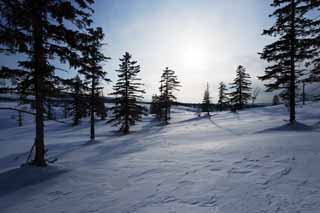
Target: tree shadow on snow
(296, 127)
(20, 178)
(198, 118)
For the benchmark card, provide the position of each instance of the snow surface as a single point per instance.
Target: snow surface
(249, 161)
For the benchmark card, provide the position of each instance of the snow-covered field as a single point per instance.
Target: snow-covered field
(232, 163)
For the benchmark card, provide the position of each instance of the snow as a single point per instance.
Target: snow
(249, 161)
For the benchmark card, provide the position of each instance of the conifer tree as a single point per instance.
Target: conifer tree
(275, 100)
(91, 67)
(241, 85)
(101, 110)
(290, 50)
(77, 89)
(128, 93)
(161, 103)
(41, 30)
(223, 96)
(155, 107)
(206, 102)
(314, 7)
(169, 84)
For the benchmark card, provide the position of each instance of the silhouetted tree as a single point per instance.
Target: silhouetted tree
(41, 30)
(169, 84)
(155, 107)
(313, 7)
(91, 67)
(275, 100)
(291, 48)
(77, 89)
(101, 110)
(223, 96)
(241, 85)
(206, 102)
(128, 93)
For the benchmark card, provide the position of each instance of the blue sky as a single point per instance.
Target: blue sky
(202, 40)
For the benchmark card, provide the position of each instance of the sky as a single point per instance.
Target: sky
(202, 40)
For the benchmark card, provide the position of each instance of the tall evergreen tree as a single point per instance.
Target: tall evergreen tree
(290, 50)
(223, 96)
(91, 67)
(128, 93)
(169, 84)
(241, 85)
(314, 8)
(42, 30)
(206, 102)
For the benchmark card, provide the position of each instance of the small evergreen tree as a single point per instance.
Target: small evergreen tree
(128, 93)
(101, 110)
(155, 107)
(275, 100)
(169, 84)
(79, 105)
(206, 102)
(313, 8)
(241, 85)
(223, 96)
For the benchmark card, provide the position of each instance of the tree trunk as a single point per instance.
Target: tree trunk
(303, 93)
(292, 92)
(40, 68)
(126, 119)
(92, 130)
(240, 93)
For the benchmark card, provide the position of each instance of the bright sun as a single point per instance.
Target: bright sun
(194, 56)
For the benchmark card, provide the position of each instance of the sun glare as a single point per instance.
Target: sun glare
(194, 55)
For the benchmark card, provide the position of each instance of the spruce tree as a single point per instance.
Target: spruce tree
(223, 96)
(91, 67)
(77, 90)
(206, 102)
(42, 30)
(169, 84)
(314, 7)
(241, 85)
(128, 93)
(275, 100)
(155, 107)
(290, 50)
(101, 110)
